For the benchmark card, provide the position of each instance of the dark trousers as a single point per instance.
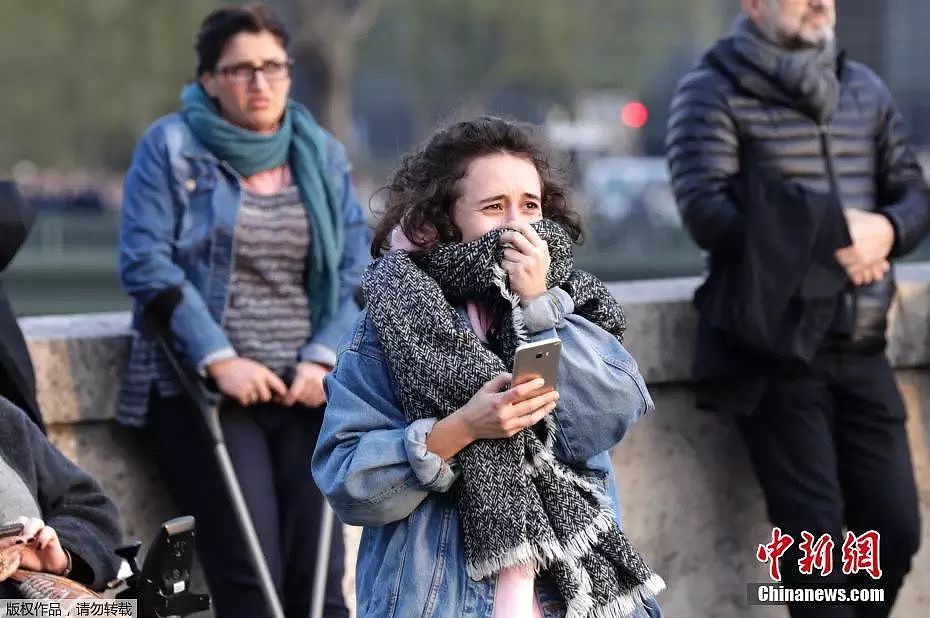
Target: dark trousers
(270, 447)
(829, 448)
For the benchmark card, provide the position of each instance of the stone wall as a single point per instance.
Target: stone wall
(689, 497)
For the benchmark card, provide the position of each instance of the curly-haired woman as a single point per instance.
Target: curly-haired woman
(479, 497)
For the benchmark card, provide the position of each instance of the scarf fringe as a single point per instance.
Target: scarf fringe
(629, 602)
(516, 311)
(549, 442)
(580, 605)
(534, 555)
(581, 544)
(540, 555)
(546, 458)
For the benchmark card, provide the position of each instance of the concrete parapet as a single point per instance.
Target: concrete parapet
(690, 501)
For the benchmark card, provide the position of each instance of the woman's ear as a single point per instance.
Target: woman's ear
(208, 82)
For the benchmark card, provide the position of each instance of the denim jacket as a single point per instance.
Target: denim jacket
(375, 470)
(178, 217)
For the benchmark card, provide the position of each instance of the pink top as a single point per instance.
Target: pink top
(269, 182)
(514, 597)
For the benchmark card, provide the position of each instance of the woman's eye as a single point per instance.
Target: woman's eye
(532, 206)
(494, 207)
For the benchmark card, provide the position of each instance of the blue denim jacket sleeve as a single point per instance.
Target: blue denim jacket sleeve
(147, 230)
(372, 465)
(355, 257)
(601, 392)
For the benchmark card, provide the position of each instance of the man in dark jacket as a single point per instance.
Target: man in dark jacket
(17, 378)
(792, 171)
(75, 525)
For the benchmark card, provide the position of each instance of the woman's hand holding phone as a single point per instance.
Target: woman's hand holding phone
(35, 548)
(495, 411)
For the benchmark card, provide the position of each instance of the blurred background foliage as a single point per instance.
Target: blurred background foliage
(83, 79)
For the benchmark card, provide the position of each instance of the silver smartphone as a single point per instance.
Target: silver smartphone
(11, 530)
(539, 359)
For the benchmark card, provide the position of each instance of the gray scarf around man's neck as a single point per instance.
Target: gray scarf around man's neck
(517, 503)
(808, 75)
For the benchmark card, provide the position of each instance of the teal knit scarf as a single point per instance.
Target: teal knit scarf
(301, 143)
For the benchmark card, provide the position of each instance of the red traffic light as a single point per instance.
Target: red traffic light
(634, 115)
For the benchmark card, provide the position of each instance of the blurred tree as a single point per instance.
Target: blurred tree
(458, 53)
(522, 57)
(325, 35)
(81, 80)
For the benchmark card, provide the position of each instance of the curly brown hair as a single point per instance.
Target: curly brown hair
(425, 187)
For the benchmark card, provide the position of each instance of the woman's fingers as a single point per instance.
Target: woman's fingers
(45, 537)
(276, 384)
(512, 256)
(31, 526)
(296, 389)
(313, 396)
(260, 385)
(530, 417)
(534, 403)
(522, 391)
(518, 243)
(522, 414)
(528, 233)
(498, 383)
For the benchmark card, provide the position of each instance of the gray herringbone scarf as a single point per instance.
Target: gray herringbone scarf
(517, 503)
(806, 75)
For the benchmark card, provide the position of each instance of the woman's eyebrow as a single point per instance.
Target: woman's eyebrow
(497, 198)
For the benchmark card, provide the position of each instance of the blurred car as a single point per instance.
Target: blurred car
(618, 188)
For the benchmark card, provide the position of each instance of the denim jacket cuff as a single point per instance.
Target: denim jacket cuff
(430, 469)
(318, 353)
(212, 357)
(547, 310)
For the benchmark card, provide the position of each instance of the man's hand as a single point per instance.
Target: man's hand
(866, 259)
(307, 387)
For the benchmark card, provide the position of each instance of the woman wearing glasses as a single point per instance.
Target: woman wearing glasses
(241, 230)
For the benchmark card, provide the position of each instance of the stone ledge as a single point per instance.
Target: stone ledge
(716, 515)
(79, 362)
(79, 359)
(662, 323)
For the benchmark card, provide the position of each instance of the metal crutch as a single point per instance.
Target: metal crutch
(208, 402)
(322, 562)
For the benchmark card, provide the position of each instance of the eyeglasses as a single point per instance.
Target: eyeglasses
(244, 72)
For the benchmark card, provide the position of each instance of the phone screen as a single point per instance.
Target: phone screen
(11, 530)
